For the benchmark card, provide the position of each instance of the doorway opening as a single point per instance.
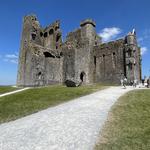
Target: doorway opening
(82, 76)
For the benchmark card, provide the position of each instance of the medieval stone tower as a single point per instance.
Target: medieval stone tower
(82, 58)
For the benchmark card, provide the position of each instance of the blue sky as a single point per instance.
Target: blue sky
(114, 19)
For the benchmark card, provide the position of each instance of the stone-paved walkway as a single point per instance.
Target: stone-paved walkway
(70, 126)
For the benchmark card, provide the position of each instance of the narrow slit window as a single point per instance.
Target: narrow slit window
(95, 60)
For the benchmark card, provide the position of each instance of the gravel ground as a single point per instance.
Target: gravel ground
(74, 125)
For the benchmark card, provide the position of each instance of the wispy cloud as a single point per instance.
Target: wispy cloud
(108, 34)
(12, 58)
(145, 35)
(140, 39)
(144, 40)
(143, 50)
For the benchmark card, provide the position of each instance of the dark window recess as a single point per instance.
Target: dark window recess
(56, 28)
(51, 31)
(114, 60)
(39, 73)
(33, 36)
(45, 34)
(47, 54)
(34, 19)
(95, 60)
(41, 34)
(57, 38)
(61, 53)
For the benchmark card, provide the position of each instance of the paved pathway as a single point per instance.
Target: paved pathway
(70, 126)
(16, 91)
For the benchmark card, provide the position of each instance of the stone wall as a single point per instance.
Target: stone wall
(109, 61)
(44, 59)
(40, 60)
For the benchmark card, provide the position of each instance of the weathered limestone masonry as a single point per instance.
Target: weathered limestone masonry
(82, 58)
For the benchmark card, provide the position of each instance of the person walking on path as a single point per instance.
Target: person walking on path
(134, 83)
(121, 81)
(124, 82)
(148, 83)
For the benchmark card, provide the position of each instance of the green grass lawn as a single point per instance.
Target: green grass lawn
(128, 125)
(5, 89)
(36, 99)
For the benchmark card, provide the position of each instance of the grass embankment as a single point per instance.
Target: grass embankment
(128, 125)
(33, 100)
(5, 89)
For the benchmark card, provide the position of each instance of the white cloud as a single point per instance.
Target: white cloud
(12, 58)
(141, 39)
(108, 34)
(145, 36)
(143, 50)
(146, 33)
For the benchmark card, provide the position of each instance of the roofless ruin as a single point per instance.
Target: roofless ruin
(82, 58)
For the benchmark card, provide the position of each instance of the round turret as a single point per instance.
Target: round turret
(87, 21)
(88, 29)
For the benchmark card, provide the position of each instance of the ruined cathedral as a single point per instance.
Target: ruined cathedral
(82, 58)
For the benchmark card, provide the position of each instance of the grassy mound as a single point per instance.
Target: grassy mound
(33, 100)
(128, 125)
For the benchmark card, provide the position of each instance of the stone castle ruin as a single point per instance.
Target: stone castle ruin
(82, 58)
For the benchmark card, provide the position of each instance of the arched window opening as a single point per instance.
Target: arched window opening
(114, 60)
(47, 54)
(103, 57)
(39, 75)
(33, 36)
(41, 34)
(61, 53)
(51, 31)
(58, 38)
(45, 34)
